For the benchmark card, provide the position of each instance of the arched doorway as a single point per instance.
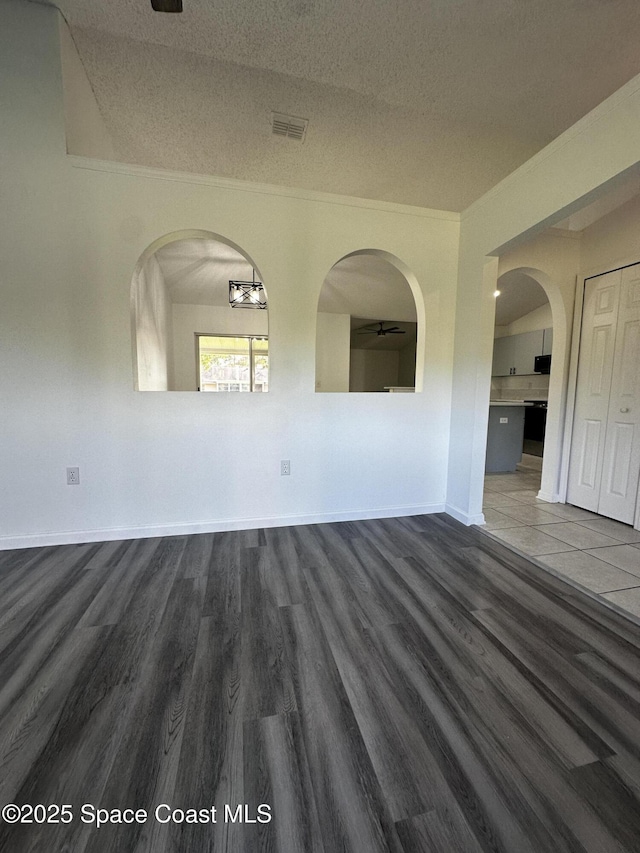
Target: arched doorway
(531, 327)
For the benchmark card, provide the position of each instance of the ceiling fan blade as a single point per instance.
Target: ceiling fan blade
(369, 332)
(390, 329)
(394, 332)
(166, 5)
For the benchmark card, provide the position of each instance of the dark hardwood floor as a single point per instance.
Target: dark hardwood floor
(402, 685)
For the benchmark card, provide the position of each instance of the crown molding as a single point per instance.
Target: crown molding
(131, 170)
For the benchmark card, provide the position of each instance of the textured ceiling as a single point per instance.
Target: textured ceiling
(416, 101)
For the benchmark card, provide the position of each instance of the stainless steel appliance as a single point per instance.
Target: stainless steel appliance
(535, 423)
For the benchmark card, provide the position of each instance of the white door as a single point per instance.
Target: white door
(621, 465)
(597, 343)
(605, 452)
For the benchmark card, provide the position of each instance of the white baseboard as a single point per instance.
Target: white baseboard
(108, 534)
(464, 517)
(549, 497)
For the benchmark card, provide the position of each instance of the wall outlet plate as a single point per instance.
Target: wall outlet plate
(504, 420)
(73, 476)
(285, 467)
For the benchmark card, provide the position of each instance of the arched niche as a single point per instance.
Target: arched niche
(369, 330)
(190, 330)
(542, 307)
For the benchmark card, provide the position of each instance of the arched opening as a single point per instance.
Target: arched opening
(368, 337)
(524, 433)
(199, 317)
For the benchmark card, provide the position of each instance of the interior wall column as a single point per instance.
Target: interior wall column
(475, 319)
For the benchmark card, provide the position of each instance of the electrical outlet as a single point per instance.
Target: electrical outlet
(73, 476)
(285, 467)
(504, 420)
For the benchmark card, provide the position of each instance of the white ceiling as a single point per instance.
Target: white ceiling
(360, 339)
(519, 295)
(628, 188)
(369, 287)
(426, 103)
(197, 272)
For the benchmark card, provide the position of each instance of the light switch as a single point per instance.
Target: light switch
(504, 420)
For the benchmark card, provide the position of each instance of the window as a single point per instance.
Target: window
(232, 363)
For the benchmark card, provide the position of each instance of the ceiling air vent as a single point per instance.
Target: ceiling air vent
(291, 126)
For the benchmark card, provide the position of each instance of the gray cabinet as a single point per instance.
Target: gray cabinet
(503, 349)
(515, 354)
(527, 347)
(505, 438)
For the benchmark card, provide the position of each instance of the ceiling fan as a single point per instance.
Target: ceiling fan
(380, 330)
(166, 5)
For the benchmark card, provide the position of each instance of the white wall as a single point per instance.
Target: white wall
(333, 337)
(151, 320)
(71, 234)
(612, 242)
(578, 167)
(207, 319)
(373, 370)
(540, 318)
(86, 131)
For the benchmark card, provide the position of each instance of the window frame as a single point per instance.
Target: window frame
(250, 338)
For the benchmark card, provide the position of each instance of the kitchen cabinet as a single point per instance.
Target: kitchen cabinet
(502, 356)
(527, 347)
(505, 436)
(514, 355)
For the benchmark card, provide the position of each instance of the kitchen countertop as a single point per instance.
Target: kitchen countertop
(509, 403)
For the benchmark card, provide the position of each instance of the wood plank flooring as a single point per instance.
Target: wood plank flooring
(403, 685)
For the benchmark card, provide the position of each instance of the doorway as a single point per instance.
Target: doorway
(523, 343)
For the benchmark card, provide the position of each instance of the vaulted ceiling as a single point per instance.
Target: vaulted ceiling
(425, 102)
(519, 295)
(197, 271)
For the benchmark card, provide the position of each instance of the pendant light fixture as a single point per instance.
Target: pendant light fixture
(247, 294)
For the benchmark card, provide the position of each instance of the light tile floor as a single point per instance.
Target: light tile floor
(599, 554)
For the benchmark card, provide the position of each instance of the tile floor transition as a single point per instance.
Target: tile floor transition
(599, 554)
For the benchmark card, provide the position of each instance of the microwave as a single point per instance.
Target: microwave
(542, 364)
